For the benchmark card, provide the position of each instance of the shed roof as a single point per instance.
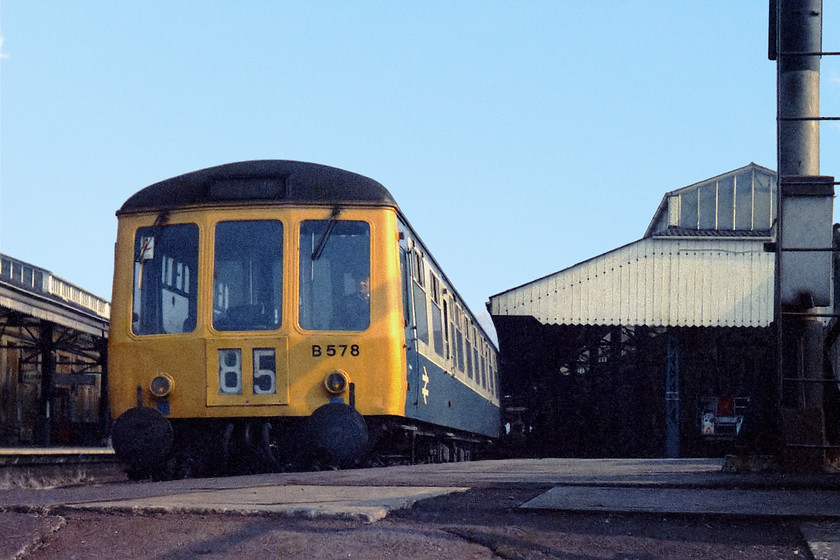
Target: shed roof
(741, 200)
(701, 263)
(676, 282)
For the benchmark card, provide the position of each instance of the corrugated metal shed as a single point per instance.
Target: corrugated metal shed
(656, 281)
(701, 264)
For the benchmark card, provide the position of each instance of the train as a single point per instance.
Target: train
(275, 315)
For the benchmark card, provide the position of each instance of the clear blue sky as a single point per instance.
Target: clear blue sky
(518, 137)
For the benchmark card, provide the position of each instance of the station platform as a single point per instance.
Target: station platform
(48, 467)
(667, 486)
(47, 454)
(680, 487)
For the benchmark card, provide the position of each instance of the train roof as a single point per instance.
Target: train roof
(261, 182)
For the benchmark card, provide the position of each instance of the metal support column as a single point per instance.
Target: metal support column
(672, 398)
(803, 271)
(48, 362)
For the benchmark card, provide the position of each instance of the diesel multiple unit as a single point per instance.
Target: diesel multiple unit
(269, 314)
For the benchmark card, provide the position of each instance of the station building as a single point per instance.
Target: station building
(53, 350)
(661, 347)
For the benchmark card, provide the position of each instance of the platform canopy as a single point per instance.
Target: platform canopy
(701, 263)
(37, 294)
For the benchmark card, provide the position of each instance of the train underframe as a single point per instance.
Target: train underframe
(334, 436)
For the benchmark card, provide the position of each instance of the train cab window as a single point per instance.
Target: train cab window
(165, 279)
(248, 275)
(334, 275)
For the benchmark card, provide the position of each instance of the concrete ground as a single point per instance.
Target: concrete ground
(456, 506)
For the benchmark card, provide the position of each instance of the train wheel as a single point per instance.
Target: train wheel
(142, 438)
(336, 434)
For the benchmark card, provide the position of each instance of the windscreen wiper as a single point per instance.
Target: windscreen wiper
(148, 242)
(325, 235)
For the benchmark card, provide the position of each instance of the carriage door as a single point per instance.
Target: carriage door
(411, 353)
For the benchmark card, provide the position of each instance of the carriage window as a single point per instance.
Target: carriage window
(165, 265)
(248, 275)
(437, 329)
(419, 268)
(437, 315)
(469, 356)
(461, 365)
(483, 373)
(421, 313)
(334, 275)
(447, 343)
(459, 336)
